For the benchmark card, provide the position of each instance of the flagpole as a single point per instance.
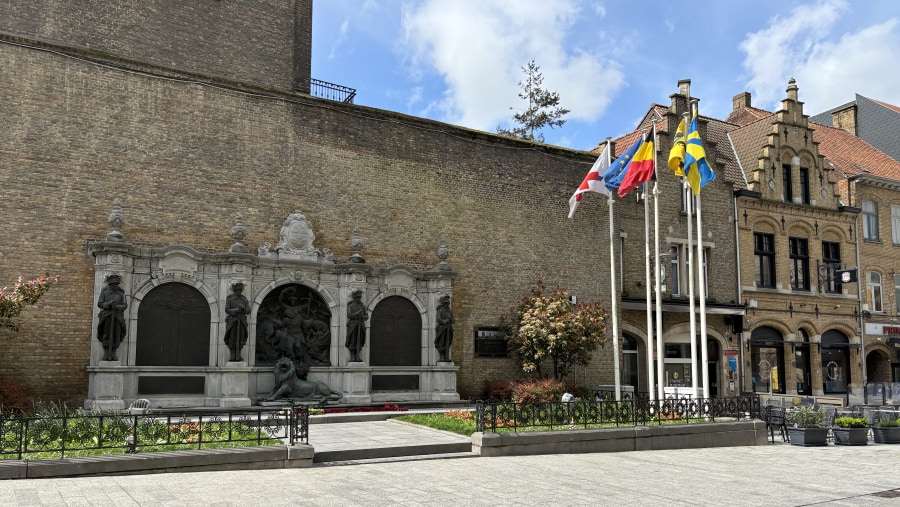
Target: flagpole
(649, 299)
(689, 251)
(659, 281)
(701, 277)
(612, 284)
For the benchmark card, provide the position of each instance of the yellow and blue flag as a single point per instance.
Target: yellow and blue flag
(695, 165)
(676, 154)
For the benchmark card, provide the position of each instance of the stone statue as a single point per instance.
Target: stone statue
(357, 315)
(444, 336)
(289, 387)
(236, 307)
(111, 325)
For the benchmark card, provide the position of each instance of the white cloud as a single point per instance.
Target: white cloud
(860, 62)
(478, 48)
(829, 67)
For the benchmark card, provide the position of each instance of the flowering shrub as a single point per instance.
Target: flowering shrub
(547, 327)
(23, 293)
(538, 391)
(463, 415)
(14, 396)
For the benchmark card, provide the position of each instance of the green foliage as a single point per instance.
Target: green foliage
(23, 293)
(454, 421)
(889, 424)
(543, 107)
(93, 433)
(806, 416)
(545, 326)
(851, 422)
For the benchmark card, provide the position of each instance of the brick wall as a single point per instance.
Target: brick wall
(184, 158)
(251, 42)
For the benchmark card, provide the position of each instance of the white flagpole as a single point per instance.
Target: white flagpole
(649, 299)
(659, 281)
(612, 284)
(689, 251)
(701, 281)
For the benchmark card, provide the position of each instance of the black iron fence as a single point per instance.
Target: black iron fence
(331, 91)
(508, 416)
(111, 433)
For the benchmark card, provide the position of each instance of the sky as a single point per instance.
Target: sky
(460, 61)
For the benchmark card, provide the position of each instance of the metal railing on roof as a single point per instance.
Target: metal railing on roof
(331, 91)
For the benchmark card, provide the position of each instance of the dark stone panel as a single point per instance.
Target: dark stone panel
(171, 385)
(395, 382)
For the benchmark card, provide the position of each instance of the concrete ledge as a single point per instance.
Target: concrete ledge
(639, 438)
(238, 458)
(392, 452)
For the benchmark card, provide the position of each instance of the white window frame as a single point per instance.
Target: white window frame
(870, 220)
(895, 224)
(874, 294)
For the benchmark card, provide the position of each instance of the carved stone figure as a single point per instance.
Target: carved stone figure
(236, 307)
(444, 336)
(293, 322)
(357, 314)
(111, 326)
(289, 387)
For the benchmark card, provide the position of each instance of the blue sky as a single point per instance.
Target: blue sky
(460, 61)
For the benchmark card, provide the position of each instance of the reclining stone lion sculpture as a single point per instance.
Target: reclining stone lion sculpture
(289, 387)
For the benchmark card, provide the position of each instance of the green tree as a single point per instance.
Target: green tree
(543, 107)
(546, 327)
(23, 293)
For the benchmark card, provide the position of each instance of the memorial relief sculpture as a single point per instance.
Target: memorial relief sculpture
(294, 322)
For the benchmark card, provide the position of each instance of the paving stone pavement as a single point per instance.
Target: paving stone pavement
(781, 475)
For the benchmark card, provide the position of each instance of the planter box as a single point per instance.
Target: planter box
(851, 436)
(889, 435)
(808, 436)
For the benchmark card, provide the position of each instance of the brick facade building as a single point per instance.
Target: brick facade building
(188, 130)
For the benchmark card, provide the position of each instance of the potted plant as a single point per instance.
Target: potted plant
(806, 426)
(887, 432)
(851, 431)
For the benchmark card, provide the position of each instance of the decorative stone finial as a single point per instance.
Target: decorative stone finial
(443, 253)
(238, 233)
(116, 220)
(356, 246)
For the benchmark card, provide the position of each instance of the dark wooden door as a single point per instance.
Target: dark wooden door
(396, 331)
(173, 327)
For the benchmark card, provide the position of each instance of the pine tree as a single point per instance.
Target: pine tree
(543, 107)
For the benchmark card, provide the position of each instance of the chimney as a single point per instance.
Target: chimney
(740, 101)
(684, 87)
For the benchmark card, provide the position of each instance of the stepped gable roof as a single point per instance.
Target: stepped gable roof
(851, 155)
(748, 142)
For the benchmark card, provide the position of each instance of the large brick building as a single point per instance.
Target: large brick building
(192, 112)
